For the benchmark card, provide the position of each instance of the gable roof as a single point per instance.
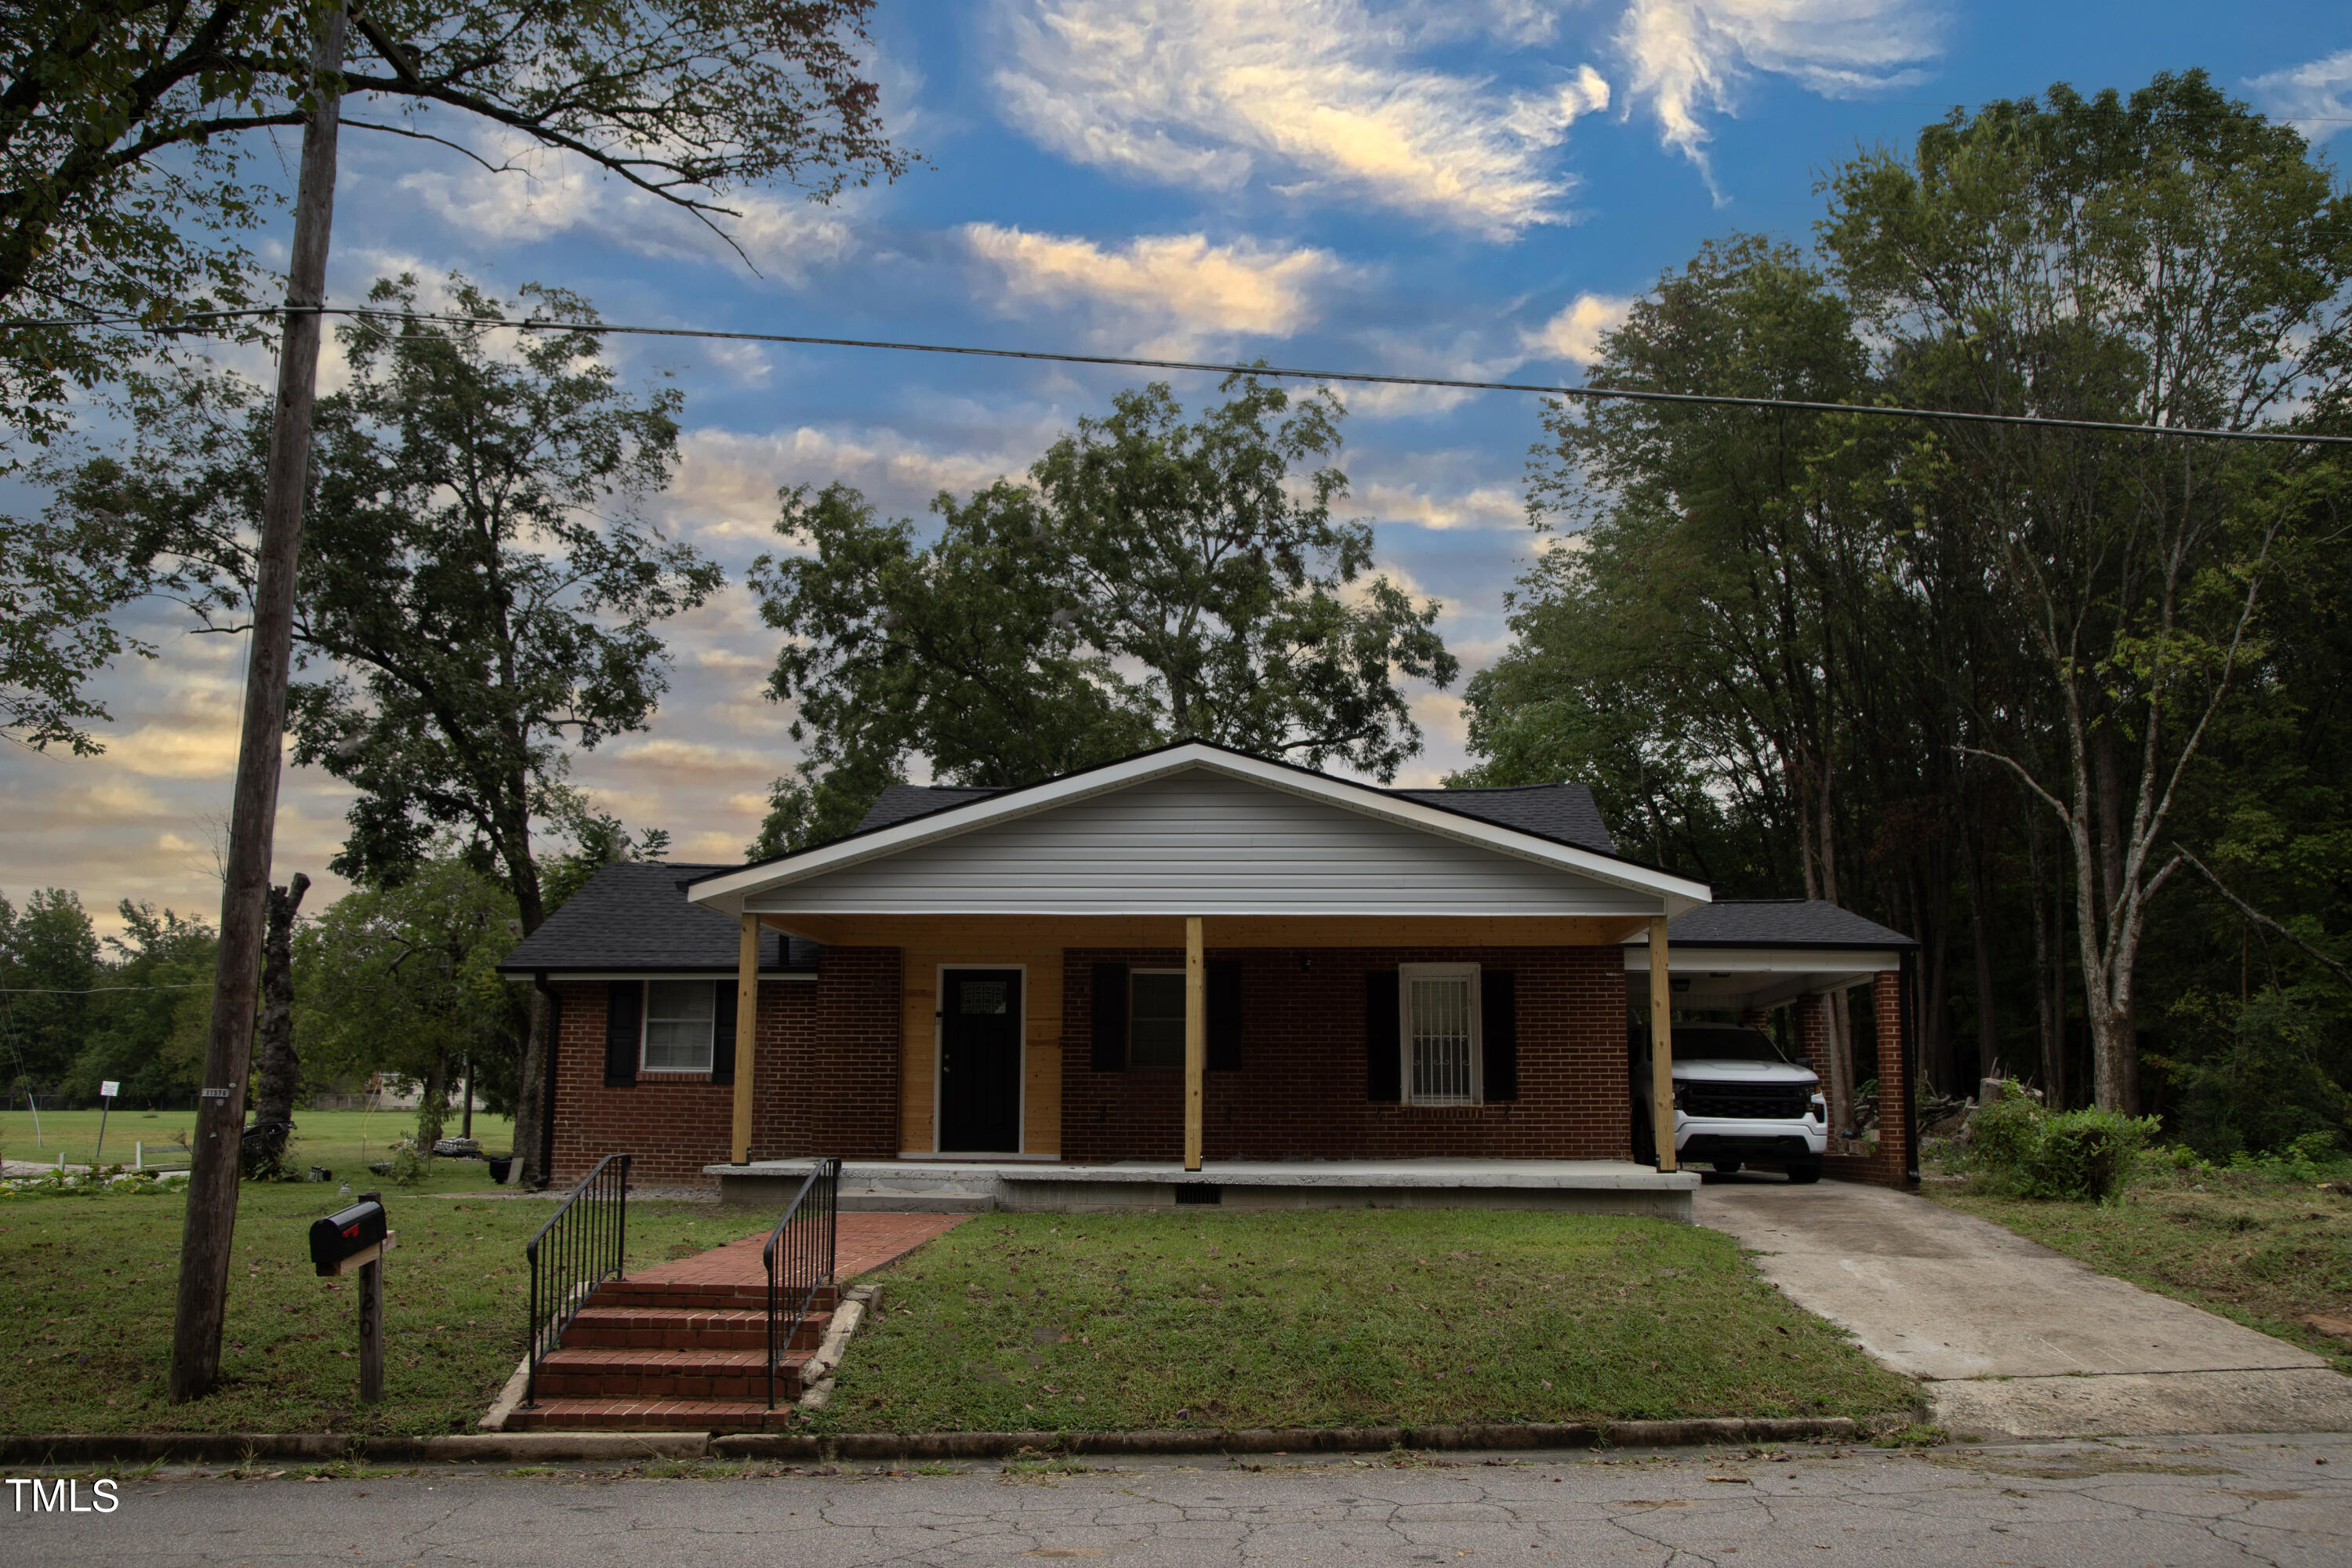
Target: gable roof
(633, 915)
(1413, 810)
(1564, 812)
(1775, 923)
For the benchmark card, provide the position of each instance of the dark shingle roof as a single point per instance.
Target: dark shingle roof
(1565, 812)
(1778, 923)
(633, 915)
(1561, 812)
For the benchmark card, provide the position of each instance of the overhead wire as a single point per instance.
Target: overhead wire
(1212, 367)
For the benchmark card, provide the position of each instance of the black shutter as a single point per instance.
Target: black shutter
(1383, 1077)
(722, 1032)
(625, 1002)
(1498, 1024)
(1110, 1018)
(1224, 1019)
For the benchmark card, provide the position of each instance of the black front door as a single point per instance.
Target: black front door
(979, 1061)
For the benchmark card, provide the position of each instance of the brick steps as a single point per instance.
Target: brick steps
(663, 1374)
(689, 1295)
(657, 1328)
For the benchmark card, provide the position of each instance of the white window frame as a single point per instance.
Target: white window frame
(646, 1024)
(1406, 975)
(1133, 1065)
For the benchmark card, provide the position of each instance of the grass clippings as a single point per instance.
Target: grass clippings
(1121, 1322)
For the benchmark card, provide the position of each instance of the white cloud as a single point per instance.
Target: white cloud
(1488, 506)
(1575, 334)
(543, 193)
(727, 482)
(1161, 294)
(1212, 92)
(1688, 58)
(2315, 96)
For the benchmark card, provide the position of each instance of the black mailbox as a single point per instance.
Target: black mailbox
(347, 1234)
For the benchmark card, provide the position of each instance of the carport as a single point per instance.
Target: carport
(1748, 957)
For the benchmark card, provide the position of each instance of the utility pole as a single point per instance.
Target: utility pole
(210, 1230)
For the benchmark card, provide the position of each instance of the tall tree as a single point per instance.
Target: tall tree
(404, 980)
(1156, 579)
(124, 193)
(2166, 259)
(479, 589)
(49, 964)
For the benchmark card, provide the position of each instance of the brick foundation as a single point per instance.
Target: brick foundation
(1887, 1165)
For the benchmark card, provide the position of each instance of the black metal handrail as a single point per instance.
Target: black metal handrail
(799, 1258)
(580, 1246)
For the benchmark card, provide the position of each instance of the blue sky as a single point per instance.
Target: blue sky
(1473, 188)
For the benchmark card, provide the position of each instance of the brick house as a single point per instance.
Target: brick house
(1191, 965)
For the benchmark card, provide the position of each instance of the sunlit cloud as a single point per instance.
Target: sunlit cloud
(1575, 334)
(1159, 294)
(1309, 96)
(2315, 96)
(1688, 58)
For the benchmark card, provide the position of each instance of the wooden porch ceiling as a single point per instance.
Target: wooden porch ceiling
(1220, 930)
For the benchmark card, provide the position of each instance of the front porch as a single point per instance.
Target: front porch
(964, 1186)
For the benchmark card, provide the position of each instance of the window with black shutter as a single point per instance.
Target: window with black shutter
(623, 1007)
(1498, 1007)
(1225, 1019)
(722, 1032)
(1383, 1079)
(1110, 1018)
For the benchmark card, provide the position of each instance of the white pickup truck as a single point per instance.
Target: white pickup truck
(1738, 1101)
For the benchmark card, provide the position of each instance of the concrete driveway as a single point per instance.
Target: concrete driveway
(2012, 1337)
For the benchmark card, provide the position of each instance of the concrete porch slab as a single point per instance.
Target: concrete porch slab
(1583, 1186)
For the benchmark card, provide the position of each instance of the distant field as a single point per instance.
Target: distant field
(343, 1141)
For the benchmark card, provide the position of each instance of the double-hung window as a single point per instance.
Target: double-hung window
(1155, 1018)
(680, 1019)
(1438, 1019)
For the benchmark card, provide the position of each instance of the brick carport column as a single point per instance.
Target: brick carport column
(1892, 1162)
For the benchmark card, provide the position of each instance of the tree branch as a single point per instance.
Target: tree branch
(2257, 916)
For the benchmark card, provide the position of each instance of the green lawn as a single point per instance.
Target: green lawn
(1345, 1318)
(335, 1139)
(2264, 1252)
(86, 1283)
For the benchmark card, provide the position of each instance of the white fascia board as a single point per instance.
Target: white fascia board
(728, 892)
(1700, 961)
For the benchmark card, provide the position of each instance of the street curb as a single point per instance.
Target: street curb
(538, 1447)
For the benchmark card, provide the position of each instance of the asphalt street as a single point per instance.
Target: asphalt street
(2283, 1500)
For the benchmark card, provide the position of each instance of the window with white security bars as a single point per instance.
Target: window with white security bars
(1440, 1018)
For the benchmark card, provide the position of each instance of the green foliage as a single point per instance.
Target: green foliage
(123, 190)
(2015, 1146)
(404, 980)
(479, 587)
(48, 960)
(1156, 579)
(409, 1164)
(2274, 1075)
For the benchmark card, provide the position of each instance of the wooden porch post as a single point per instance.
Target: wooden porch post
(747, 1034)
(1196, 1036)
(1662, 1047)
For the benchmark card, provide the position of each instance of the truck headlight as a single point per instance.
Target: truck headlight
(1819, 1111)
(1679, 1094)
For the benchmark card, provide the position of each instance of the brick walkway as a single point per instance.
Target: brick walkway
(862, 1242)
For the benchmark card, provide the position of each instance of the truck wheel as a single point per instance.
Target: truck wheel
(1804, 1173)
(1726, 1167)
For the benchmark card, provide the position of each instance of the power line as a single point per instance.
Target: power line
(1375, 378)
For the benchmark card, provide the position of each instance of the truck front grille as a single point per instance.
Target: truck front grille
(1748, 1101)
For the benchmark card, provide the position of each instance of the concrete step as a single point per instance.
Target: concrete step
(648, 1415)
(600, 1373)
(669, 1328)
(903, 1200)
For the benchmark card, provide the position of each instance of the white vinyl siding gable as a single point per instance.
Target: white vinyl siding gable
(1201, 843)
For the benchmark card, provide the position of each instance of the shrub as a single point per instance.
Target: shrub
(408, 1163)
(2016, 1146)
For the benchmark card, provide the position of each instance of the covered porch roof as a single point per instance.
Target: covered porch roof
(1739, 953)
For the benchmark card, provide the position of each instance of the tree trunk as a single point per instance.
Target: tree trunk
(209, 1234)
(434, 1107)
(279, 1076)
(1980, 941)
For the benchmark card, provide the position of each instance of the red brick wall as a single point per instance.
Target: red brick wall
(1300, 1089)
(828, 1080)
(1888, 1164)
